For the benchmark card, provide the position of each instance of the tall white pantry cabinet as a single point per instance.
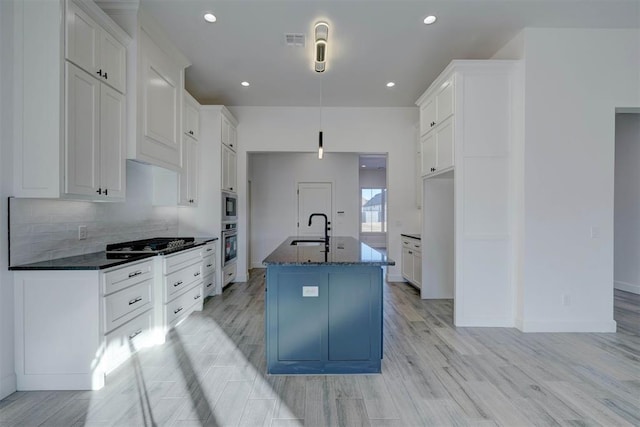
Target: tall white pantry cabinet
(466, 136)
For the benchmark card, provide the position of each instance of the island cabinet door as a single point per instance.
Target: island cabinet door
(298, 305)
(355, 315)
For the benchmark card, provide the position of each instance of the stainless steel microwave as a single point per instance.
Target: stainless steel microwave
(229, 206)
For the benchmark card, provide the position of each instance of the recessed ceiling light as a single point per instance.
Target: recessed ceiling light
(245, 84)
(391, 84)
(210, 17)
(430, 19)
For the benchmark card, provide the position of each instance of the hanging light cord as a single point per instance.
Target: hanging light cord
(321, 102)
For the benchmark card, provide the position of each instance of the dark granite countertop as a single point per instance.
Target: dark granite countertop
(342, 251)
(101, 260)
(412, 235)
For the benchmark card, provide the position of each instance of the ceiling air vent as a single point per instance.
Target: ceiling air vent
(294, 39)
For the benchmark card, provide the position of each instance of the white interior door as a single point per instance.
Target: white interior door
(313, 197)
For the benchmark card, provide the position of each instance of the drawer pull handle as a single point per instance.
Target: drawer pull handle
(135, 300)
(135, 273)
(135, 334)
(196, 274)
(229, 274)
(178, 310)
(209, 265)
(209, 249)
(197, 296)
(416, 246)
(209, 285)
(410, 253)
(175, 285)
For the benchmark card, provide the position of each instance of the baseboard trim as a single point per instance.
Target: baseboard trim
(628, 287)
(395, 278)
(8, 385)
(568, 326)
(257, 265)
(484, 322)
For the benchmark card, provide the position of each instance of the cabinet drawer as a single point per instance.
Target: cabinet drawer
(208, 265)
(208, 284)
(182, 259)
(126, 304)
(128, 338)
(208, 249)
(183, 304)
(128, 276)
(182, 279)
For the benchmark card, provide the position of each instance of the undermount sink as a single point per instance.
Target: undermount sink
(307, 242)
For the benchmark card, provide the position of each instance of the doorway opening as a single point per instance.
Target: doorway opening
(373, 200)
(626, 249)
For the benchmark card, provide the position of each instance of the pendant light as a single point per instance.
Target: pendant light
(320, 57)
(320, 147)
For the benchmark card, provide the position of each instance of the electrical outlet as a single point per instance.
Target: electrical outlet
(82, 232)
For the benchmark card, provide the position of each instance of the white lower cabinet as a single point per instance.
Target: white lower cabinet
(75, 326)
(412, 260)
(179, 291)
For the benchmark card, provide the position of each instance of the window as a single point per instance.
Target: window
(373, 211)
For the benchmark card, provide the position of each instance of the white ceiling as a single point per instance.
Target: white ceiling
(371, 42)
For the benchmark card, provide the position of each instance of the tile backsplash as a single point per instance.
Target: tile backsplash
(44, 229)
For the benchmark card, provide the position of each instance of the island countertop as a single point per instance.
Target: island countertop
(343, 250)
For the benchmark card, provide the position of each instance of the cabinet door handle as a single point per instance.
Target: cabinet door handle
(231, 188)
(135, 273)
(105, 76)
(190, 132)
(209, 285)
(196, 274)
(135, 300)
(135, 334)
(178, 310)
(209, 265)
(230, 274)
(410, 253)
(197, 296)
(105, 191)
(175, 285)
(99, 190)
(100, 72)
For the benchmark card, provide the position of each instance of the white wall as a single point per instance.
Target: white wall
(627, 203)
(7, 371)
(274, 204)
(574, 80)
(346, 130)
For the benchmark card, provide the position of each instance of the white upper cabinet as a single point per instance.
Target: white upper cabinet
(228, 169)
(437, 126)
(189, 177)
(191, 124)
(93, 49)
(72, 117)
(229, 133)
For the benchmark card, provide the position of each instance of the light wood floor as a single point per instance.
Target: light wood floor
(211, 372)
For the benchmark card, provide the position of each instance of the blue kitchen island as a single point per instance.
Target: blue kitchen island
(323, 311)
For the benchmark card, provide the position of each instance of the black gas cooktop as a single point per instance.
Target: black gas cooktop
(148, 246)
